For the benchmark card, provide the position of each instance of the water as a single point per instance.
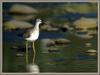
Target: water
(68, 59)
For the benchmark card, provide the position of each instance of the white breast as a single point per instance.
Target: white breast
(34, 36)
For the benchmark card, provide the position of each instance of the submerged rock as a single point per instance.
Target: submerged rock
(85, 36)
(82, 8)
(22, 12)
(62, 41)
(85, 23)
(50, 43)
(25, 17)
(92, 52)
(21, 8)
(14, 24)
(85, 27)
(53, 50)
(58, 42)
(48, 28)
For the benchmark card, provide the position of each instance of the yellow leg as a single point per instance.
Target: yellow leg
(34, 53)
(26, 52)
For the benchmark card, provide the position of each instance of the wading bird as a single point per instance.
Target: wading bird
(31, 36)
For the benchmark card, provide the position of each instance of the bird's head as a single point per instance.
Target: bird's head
(39, 21)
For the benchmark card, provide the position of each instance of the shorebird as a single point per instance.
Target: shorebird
(31, 36)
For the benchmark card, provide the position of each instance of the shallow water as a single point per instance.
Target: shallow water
(71, 58)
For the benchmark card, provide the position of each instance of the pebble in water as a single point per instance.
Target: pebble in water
(19, 54)
(88, 44)
(92, 52)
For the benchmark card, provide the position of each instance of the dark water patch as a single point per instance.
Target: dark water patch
(82, 56)
(90, 15)
(57, 59)
(12, 36)
(7, 18)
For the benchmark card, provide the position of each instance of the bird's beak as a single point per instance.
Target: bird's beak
(43, 23)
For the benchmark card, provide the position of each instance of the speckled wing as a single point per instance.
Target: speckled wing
(27, 33)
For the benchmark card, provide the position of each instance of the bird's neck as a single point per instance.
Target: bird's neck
(37, 26)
